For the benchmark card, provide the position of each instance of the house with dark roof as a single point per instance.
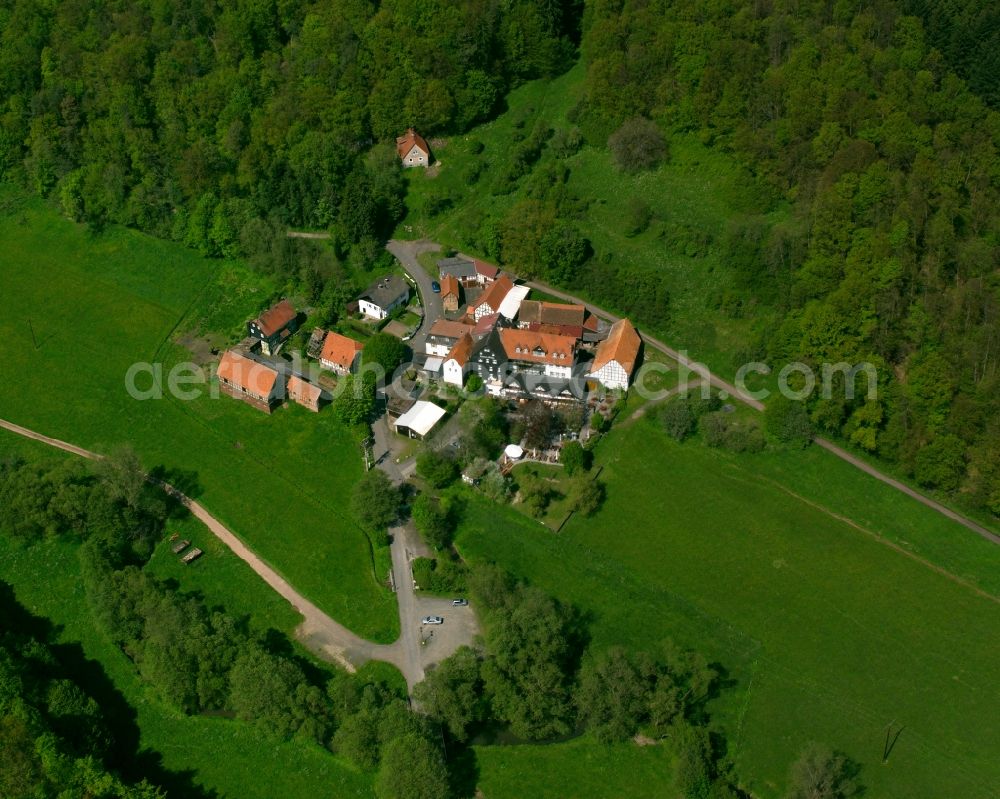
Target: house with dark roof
(468, 272)
(339, 353)
(413, 150)
(245, 379)
(616, 356)
(274, 327)
(383, 296)
(489, 360)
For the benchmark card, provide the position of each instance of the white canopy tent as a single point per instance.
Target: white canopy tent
(420, 419)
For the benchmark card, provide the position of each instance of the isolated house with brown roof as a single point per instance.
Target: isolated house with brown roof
(489, 302)
(274, 326)
(616, 356)
(304, 393)
(413, 150)
(254, 383)
(451, 293)
(339, 353)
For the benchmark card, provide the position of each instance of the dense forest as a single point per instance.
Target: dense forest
(892, 166)
(55, 738)
(222, 124)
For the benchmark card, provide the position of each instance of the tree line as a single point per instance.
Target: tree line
(55, 738)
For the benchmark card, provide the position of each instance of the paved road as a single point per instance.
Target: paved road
(324, 636)
(406, 253)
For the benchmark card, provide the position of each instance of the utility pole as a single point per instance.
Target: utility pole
(34, 340)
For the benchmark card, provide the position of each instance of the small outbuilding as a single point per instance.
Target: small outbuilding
(304, 393)
(420, 419)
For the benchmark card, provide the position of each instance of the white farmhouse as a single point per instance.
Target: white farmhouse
(383, 296)
(457, 363)
(413, 150)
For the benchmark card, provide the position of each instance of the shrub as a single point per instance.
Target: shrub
(574, 457)
(637, 145)
(678, 418)
(788, 421)
(436, 468)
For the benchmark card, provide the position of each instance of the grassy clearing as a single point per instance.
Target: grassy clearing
(593, 770)
(691, 199)
(99, 305)
(827, 632)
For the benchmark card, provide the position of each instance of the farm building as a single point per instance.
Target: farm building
(451, 293)
(413, 150)
(616, 356)
(254, 383)
(304, 393)
(383, 296)
(468, 272)
(419, 420)
(274, 326)
(339, 353)
(489, 302)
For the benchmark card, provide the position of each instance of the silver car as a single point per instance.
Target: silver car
(432, 620)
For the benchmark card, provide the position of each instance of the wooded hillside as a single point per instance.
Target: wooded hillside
(891, 164)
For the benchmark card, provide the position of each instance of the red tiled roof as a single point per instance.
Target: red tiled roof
(622, 345)
(527, 345)
(275, 318)
(552, 313)
(340, 350)
(449, 285)
(246, 374)
(461, 351)
(494, 295)
(446, 328)
(485, 269)
(485, 324)
(558, 330)
(591, 323)
(405, 143)
(303, 390)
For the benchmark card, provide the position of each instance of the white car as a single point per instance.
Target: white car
(432, 620)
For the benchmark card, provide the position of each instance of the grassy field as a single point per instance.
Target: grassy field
(827, 631)
(98, 305)
(691, 197)
(581, 768)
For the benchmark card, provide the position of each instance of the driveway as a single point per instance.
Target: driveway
(406, 253)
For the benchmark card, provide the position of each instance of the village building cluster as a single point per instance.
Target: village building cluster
(526, 349)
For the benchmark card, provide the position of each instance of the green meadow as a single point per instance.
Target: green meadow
(98, 305)
(825, 630)
(691, 196)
